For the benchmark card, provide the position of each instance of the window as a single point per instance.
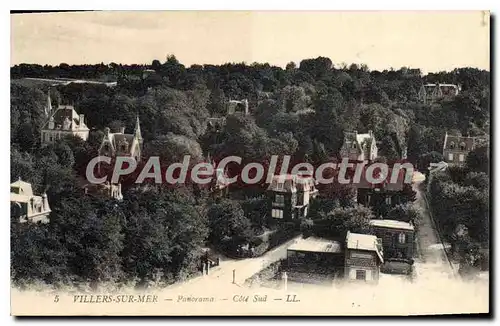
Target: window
(277, 213)
(461, 157)
(388, 200)
(462, 146)
(361, 274)
(402, 238)
(450, 157)
(305, 211)
(353, 145)
(280, 199)
(452, 145)
(279, 185)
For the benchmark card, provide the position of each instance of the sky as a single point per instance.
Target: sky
(431, 41)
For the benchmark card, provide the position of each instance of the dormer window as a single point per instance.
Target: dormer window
(353, 145)
(106, 149)
(452, 145)
(51, 123)
(462, 146)
(123, 146)
(66, 124)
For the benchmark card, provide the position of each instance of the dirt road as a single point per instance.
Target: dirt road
(433, 258)
(222, 276)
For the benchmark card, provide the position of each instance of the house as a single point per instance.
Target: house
(290, 195)
(238, 107)
(122, 144)
(429, 93)
(388, 193)
(104, 190)
(318, 260)
(62, 122)
(456, 148)
(397, 237)
(363, 257)
(315, 260)
(359, 147)
(25, 206)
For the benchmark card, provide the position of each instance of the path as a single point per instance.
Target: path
(222, 276)
(433, 258)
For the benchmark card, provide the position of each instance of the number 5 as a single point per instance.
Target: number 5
(56, 298)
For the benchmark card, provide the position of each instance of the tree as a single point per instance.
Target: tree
(337, 222)
(426, 159)
(294, 98)
(479, 180)
(416, 146)
(291, 66)
(37, 255)
(22, 166)
(92, 233)
(227, 221)
(255, 210)
(164, 230)
(478, 160)
(172, 148)
(388, 149)
(405, 213)
(316, 67)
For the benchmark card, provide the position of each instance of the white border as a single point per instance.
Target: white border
(189, 5)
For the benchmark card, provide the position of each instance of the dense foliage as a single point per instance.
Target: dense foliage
(155, 234)
(460, 202)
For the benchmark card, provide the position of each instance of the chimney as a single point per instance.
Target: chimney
(370, 133)
(82, 120)
(122, 130)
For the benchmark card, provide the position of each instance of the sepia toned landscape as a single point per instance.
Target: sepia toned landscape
(234, 169)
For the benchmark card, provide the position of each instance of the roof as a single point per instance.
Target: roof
(388, 183)
(62, 113)
(292, 182)
(25, 190)
(392, 224)
(363, 137)
(367, 242)
(20, 198)
(364, 141)
(20, 183)
(313, 244)
(361, 241)
(116, 139)
(469, 142)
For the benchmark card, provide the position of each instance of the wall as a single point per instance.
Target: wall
(390, 242)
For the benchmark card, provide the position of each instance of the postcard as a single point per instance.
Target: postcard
(250, 163)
